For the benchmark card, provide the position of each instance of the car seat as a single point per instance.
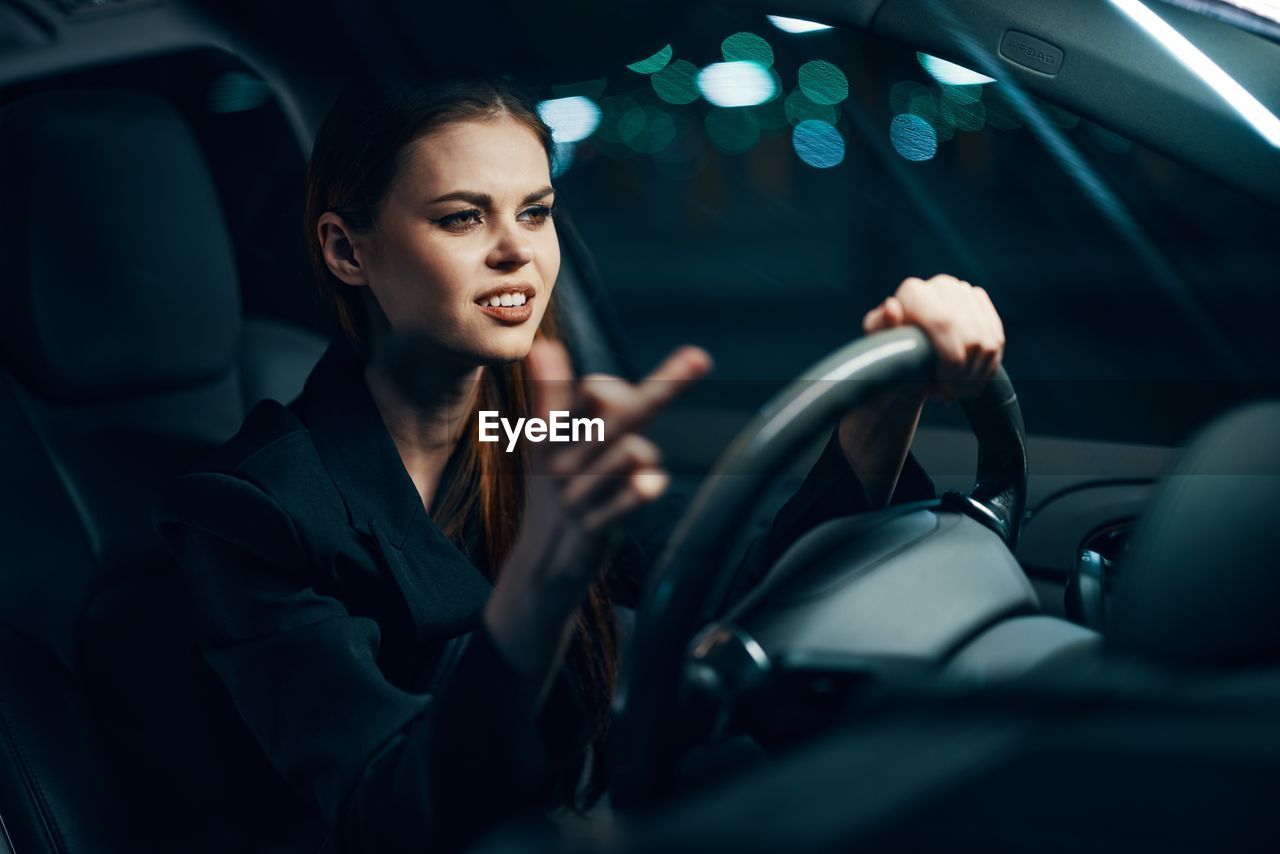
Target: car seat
(123, 357)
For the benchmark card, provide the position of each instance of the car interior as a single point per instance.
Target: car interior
(1074, 645)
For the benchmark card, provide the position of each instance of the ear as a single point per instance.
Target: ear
(342, 249)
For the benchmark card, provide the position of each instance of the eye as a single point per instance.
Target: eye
(537, 214)
(460, 221)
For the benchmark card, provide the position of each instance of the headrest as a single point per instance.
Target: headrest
(1201, 582)
(119, 277)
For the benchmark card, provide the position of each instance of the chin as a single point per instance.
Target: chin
(505, 355)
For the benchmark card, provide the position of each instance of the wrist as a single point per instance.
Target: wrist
(885, 421)
(875, 441)
(898, 399)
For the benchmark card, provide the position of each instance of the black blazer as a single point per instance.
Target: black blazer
(344, 626)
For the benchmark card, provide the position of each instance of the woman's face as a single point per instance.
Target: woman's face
(467, 220)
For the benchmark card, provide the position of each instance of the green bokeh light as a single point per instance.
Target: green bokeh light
(925, 106)
(646, 129)
(960, 94)
(967, 117)
(732, 130)
(772, 114)
(901, 93)
(652, 64)
(823, 83)
(777, 85)
(677, 83)
(747, 47)
(799, 108)
(612, 110)
(685, 157)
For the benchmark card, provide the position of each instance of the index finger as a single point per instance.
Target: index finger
(633, 407)
(676, 373)
(626, 408)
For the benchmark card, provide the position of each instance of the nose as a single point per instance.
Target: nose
(512, 249)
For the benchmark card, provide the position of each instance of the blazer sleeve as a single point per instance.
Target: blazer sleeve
(830, 490)
(388, 770)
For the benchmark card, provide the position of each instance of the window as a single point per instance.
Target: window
(1138, 295)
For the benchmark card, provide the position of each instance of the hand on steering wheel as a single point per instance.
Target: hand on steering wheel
(967, 339)
(959, 321)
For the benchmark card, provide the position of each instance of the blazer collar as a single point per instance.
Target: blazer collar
(355, 446)
(443, 588)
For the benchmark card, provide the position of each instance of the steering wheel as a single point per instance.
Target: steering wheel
(692, 577)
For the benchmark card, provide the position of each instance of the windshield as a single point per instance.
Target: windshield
(757, 186)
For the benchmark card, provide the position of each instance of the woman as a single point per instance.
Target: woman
(415, 626)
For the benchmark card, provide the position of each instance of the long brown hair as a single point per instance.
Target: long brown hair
(357, 155)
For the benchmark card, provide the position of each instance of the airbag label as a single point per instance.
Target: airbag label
(1031, 52)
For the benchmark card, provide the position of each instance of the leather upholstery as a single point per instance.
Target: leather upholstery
(1200, 584)
(122, 358)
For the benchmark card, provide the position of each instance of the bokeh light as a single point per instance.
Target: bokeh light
(913, 137)
(823, 83)
(677, 83)
(796, 25)
(652, 64)
(948, 72)
(967, 117)
(746, 47)
(818, 143)
(772, 115)
(799, 108)
(736, 84)
(903, 92)
(686, 156)
(562, 157)
(927, 107)
(646, 129)
(960, 94)
(571, 119)
(613, 108)
(733, 131)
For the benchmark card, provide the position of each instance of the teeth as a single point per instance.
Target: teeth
(506, 299)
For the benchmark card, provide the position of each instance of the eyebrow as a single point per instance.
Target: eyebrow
(485, 200)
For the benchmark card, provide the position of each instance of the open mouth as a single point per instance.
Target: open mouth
(507, 296)
(510, 304)
(505, 299)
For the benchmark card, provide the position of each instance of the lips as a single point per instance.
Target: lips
(513, 314)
